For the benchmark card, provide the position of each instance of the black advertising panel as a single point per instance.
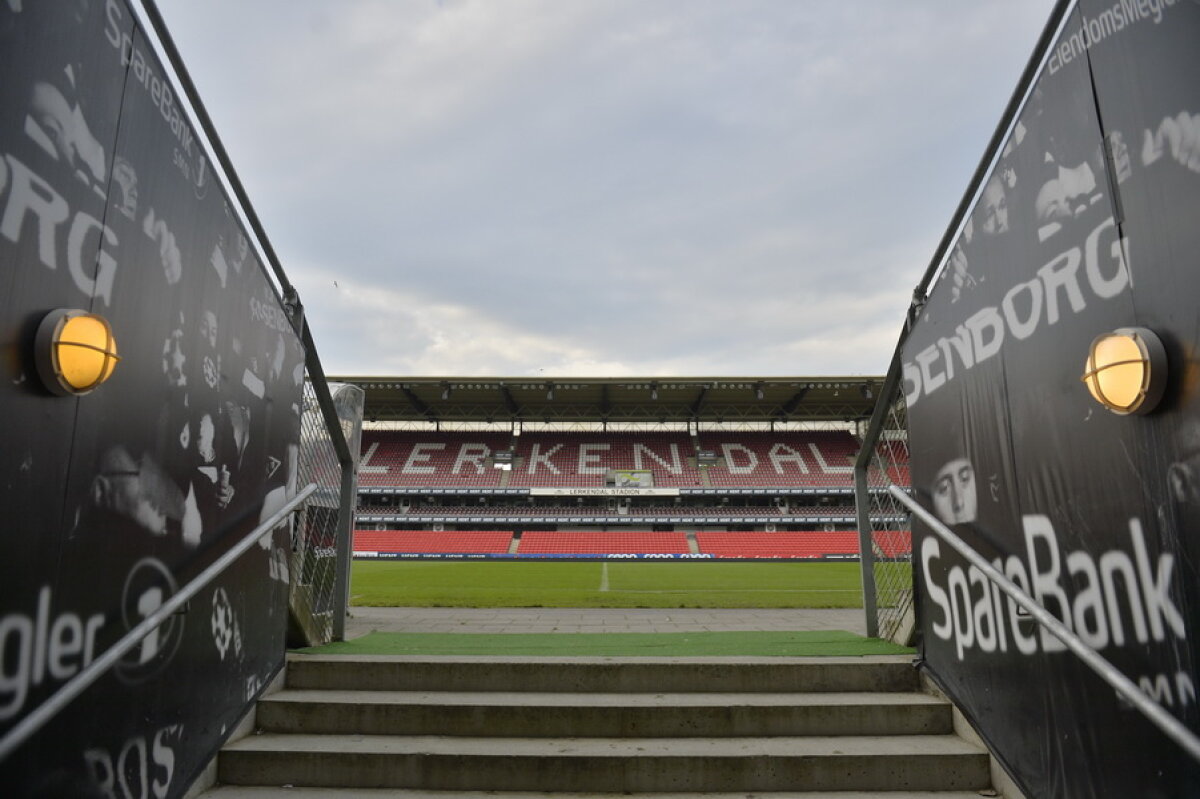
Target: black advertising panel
(1088, 223)
(114, 500)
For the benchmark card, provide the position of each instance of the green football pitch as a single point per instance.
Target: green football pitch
(606, 584)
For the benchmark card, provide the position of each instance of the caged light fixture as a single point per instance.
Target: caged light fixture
(74, 351)
(1126, 370)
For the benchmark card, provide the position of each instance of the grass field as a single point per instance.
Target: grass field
(606, 584)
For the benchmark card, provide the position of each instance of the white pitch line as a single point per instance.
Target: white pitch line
(604, 576)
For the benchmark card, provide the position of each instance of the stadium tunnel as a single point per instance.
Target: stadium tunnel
(175, 515)
(180, 475)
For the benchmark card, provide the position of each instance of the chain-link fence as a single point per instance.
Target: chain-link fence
(886, 540)
(322, 527)
(314, 537)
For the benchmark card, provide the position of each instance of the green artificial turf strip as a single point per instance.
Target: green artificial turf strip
(581, 584)
(825, 643)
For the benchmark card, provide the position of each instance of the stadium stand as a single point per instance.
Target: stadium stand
(601, 543)
(431, 541)
(748, 459)
(753, 513)
(718, 544)
(761, 495)
(583, 459)
(815, 458)
(896, 544)
(895, 453)
(429, 459)
(807, 544)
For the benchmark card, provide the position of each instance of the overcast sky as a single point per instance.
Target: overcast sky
(605, 187)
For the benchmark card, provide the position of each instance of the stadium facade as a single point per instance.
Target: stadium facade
(744, 467)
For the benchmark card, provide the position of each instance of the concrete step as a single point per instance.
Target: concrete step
(602, 675)
(243, 792)
(610, 715)
(784, 763)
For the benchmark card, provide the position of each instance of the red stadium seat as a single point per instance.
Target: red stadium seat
(601, 543)
(893, 543)
(806, 544)
(784, 459)
(583, 459)
(429, 459)
(813, 459)
(433, 541)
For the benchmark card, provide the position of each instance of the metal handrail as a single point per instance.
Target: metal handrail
(81, 681)
(1171, 726)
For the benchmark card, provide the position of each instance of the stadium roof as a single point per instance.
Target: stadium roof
(616, 399)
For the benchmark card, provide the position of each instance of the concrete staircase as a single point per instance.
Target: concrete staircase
(439, 727)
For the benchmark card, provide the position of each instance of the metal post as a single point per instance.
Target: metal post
(866, 550)
(862, 493)
(345, 539)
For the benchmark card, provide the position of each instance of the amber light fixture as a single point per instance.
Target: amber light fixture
(1126, 370)
(75, 351)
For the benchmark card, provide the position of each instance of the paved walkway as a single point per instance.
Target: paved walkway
(596, 620)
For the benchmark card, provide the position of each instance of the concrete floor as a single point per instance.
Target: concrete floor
(597, 620)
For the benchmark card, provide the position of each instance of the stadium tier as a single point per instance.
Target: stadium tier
(565, 542)
(586, 460)
(526, 514)
(893, 544)
(537, 543)
(895, 453)
(782, 459)
(429, 459)
(809, 544)
(784, 494)
(430, 541)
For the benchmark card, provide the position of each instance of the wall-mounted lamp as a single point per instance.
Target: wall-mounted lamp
(74, 351)
(1126, 370)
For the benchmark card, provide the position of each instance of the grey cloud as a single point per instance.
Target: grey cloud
(728, 178)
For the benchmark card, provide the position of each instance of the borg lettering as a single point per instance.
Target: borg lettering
(80, 240)
(1025, 307)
